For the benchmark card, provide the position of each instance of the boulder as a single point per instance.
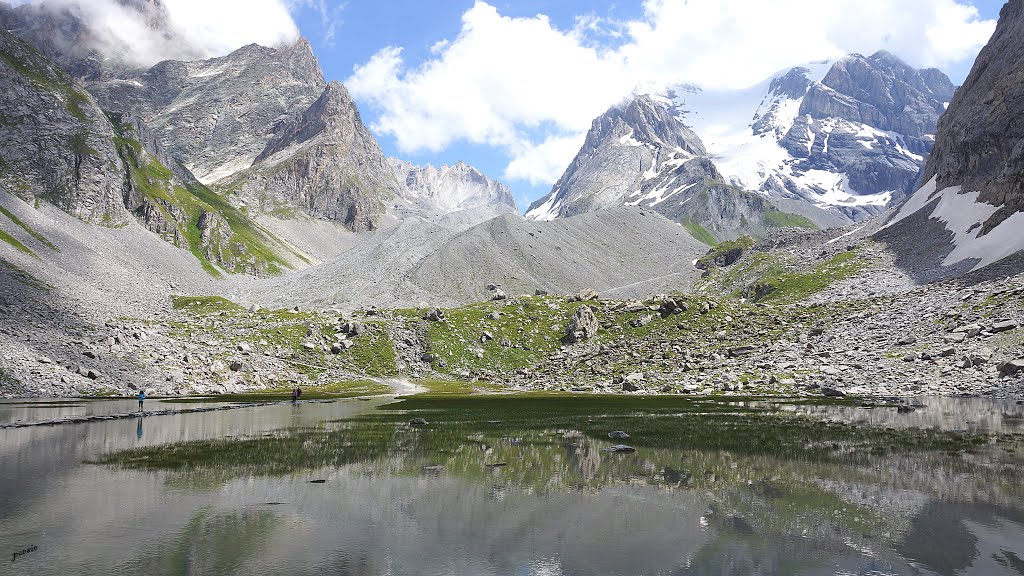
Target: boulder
(832, 393)
(434, 315)
(1011, 367)
(618, 435)
(418, 422)
(1003, 326)
(642, 320)
(582, 325)
(585, 295)
(499, 294)
(620, 448)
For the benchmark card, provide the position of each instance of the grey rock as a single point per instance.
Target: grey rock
(618, 435)
(620, 449)
(1003, 326)
(582, 325)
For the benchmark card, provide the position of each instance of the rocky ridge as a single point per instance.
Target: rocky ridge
(850, 135)
(450, 188)
(638, 154)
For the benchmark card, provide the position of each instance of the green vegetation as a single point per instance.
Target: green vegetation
(42, 239)
(80, 145)
(726, 253)
(4, 236)
(699, 232)
(217, 233)
(526, 330)
(779, 219)
(204, 305)
(778, 285)
(373, 353)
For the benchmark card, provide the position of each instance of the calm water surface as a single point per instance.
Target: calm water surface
(404, 500)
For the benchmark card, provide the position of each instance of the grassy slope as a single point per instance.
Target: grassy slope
(249, 246)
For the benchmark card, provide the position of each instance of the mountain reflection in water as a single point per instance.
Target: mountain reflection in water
(229, 492)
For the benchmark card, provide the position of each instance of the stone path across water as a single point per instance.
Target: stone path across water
(146, 413)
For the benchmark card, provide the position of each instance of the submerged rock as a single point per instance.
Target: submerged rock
(620, 448)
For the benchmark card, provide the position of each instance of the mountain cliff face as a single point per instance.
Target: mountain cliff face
(969, 212)
(324, 162)
(55, 143)
(639, 154)
(450, 188)
(850, 135)
(216, 116)
(57, 146)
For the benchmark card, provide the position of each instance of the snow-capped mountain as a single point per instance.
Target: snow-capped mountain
(969, 212)
(640, 154)
(850, 135)
(450, 188)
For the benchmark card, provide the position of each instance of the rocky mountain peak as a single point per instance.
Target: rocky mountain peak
(450, 188)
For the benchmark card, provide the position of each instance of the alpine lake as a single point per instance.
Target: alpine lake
(518, 485)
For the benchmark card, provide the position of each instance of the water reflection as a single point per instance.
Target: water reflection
(403, 500)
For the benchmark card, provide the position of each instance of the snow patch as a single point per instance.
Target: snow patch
(962, 214)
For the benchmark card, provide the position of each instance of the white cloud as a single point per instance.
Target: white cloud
(502, 81)
(179, 29)
(542, 163)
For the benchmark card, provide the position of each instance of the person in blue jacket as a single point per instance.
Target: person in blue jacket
(142, 397)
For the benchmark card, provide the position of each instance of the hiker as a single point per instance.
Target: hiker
(142, 397)
(295, 396)
(298, 393)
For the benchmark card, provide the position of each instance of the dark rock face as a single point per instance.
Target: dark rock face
(55, 143)
(980, 140)
(324, 162)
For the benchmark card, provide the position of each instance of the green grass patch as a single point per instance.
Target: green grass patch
(204, 305)
(779, 219)
(793, 286)
(5, 237)
(726, 252)
(527, 330)
(373, 353)
(699, 232)
(42, 239)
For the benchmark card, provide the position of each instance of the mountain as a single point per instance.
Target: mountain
(324, 162)
(57, 146)
(969, 212)
(55, 142)
(640, 154)
(850, 136)
(450, 188)
(216, 116)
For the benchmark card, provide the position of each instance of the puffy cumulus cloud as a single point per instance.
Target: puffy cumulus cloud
(533, 89)
(542, 163)
(143, 32)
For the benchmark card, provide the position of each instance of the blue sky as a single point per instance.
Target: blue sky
(388, 53)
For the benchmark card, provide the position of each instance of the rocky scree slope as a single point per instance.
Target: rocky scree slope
(969, 212)
(638, 154)
(450, 188)
(445, 262)
(850, 135)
